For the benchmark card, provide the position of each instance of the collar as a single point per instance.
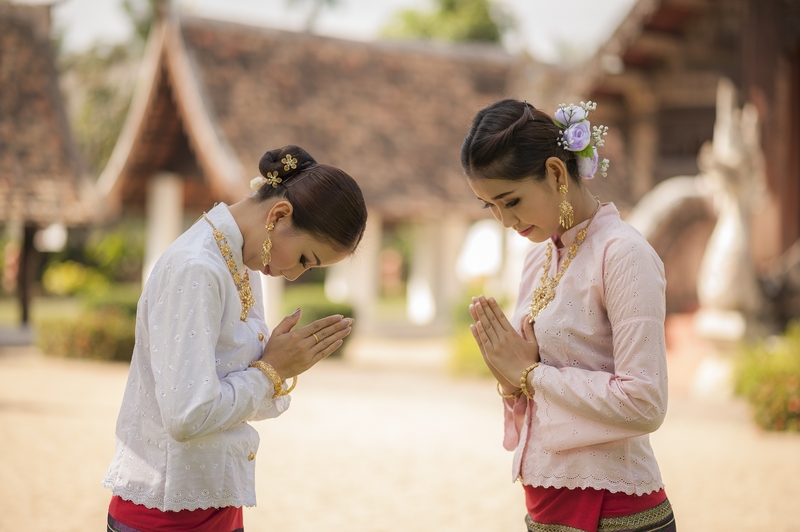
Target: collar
(223, 220)
(568, 237)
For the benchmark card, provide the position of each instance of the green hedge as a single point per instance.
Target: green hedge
(104, 328)
(105, 334)
(767, 374)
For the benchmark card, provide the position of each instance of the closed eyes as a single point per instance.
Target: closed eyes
(508, 205)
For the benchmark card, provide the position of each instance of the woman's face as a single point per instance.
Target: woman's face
(529, 207)
(293, 252)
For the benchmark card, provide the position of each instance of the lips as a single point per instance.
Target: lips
(525, 232)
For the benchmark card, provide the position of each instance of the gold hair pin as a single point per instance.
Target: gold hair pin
(289, 162)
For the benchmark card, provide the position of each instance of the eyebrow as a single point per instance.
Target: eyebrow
(498, 196)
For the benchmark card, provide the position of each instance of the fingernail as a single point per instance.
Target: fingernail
(296, 312)
(349, 321)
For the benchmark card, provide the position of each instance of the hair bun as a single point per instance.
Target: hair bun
(287, 162)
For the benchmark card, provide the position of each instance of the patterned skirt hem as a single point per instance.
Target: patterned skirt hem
(657, 519)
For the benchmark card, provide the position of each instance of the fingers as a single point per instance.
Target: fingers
(487, 326)
(494, 316)
(319, 325)
(499, 315)
(329, 344)
(321, 335)
(288, 322)
(474, 330)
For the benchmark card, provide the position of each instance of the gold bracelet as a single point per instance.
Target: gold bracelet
(509, 396)
(523, 381)
(270, 372)
(294, 383)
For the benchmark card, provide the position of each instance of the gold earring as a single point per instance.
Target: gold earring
(266, 247)
(566, 214)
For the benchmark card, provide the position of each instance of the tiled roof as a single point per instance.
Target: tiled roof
(41, 176)
(392, 115)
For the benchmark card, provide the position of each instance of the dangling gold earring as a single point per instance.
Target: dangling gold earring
(266, 247)
(566, 214)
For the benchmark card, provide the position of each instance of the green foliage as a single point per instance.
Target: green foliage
(103, 329)
(767, 374)
(107, 334)
(453, 20)
(70, 277)
(310, 297)
(118, 252)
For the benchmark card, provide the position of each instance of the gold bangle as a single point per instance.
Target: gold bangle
(294, 383)
(523, 381)
(509, 396)
(270, 372)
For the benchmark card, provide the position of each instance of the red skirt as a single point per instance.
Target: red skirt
(590, 510)
(125, 516)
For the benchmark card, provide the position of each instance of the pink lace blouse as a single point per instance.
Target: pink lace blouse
(601, 387)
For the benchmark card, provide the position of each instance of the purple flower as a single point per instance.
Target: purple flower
(587, 166)
(570, 114)
(577, 136)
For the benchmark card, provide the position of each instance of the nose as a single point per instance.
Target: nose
(506, 218)
(294, 273)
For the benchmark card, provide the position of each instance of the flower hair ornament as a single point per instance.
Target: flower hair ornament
(578, 135)
(272, 178)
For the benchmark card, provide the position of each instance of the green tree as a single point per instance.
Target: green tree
(453, 20)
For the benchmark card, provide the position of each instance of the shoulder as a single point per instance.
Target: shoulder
(194, 256)
(623, 244)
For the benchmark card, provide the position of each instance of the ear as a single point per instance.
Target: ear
(281, 210)
(556, 172)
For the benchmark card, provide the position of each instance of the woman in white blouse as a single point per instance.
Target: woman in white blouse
(204, 363)
(581, 364)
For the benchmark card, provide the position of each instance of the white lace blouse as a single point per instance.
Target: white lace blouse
(182, 439)
(601, 387)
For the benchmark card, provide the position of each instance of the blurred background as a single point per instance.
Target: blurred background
(121, 121)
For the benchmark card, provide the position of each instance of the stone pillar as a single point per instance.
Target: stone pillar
(432, 283)
(355, 279)
(164, 211)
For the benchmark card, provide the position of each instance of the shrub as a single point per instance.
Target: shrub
(103, 330)
(310, 297)
(70, 277)
(99, 334)
(466, 358)
(767, 374)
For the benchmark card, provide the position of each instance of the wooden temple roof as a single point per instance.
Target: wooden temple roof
(214, 96)
(42, 179)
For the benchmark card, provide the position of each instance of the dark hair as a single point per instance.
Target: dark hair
(327, 202)
(512, 140)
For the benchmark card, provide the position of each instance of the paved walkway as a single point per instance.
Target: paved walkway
(369, 448)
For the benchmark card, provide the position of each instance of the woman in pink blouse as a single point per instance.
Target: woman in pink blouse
(581, 364)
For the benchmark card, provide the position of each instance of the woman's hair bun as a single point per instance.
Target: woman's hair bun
(287, 162)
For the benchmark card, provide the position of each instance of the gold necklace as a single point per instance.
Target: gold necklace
(242, 282)
(546, 291)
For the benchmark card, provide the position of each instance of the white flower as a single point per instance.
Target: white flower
(257, 182)
(570, 114)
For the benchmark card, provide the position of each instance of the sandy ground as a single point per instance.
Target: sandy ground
(374, 448)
